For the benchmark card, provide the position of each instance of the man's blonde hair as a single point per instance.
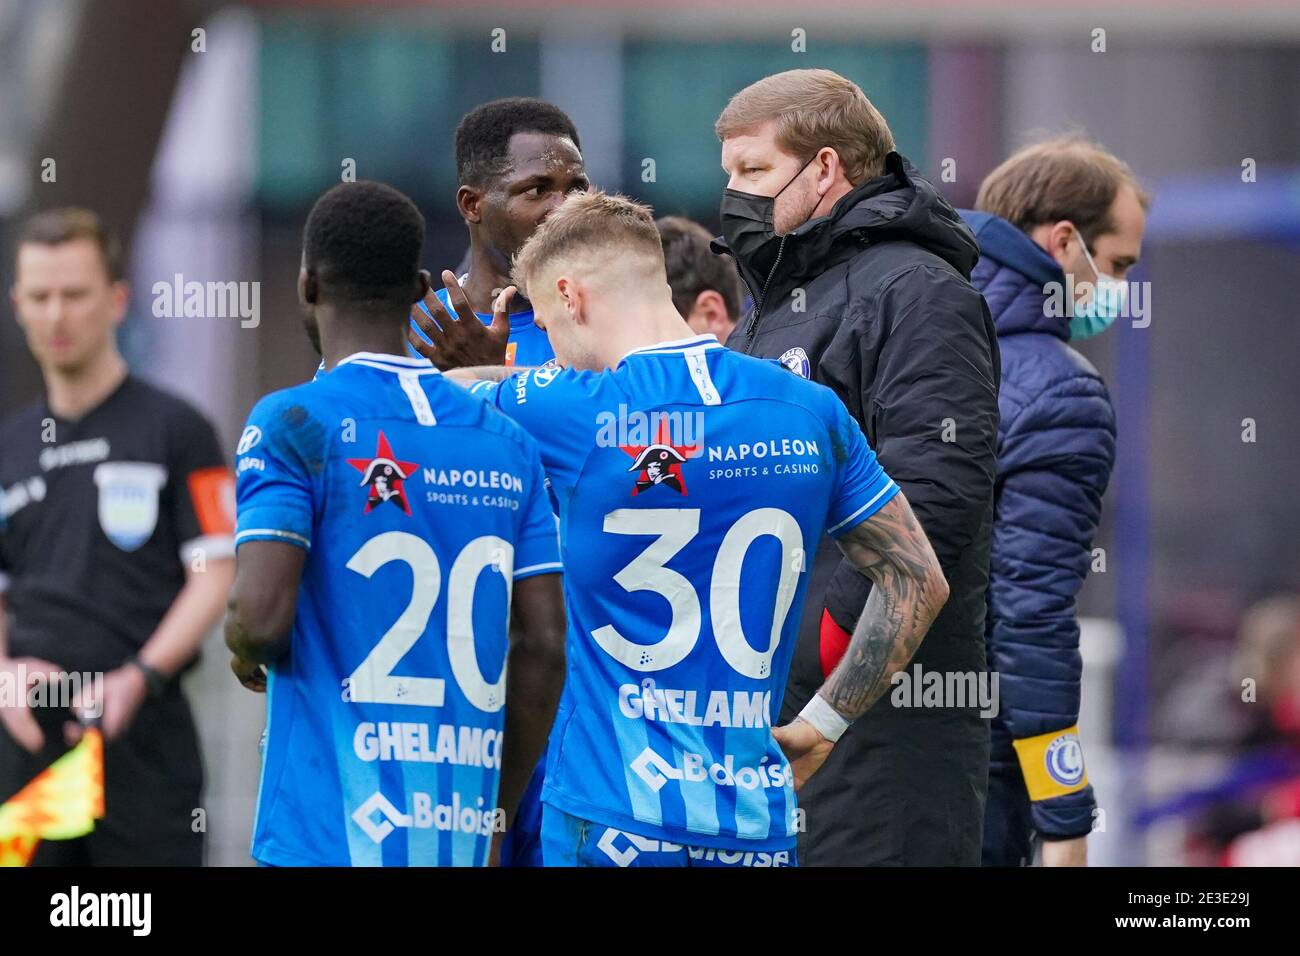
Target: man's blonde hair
(812, 109)
(591, 226)
(1063, 177)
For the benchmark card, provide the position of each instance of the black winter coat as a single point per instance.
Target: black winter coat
(873, 300)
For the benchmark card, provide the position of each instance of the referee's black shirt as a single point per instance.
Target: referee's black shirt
(101, 517)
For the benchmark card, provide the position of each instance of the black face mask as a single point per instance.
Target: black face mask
(747, 221)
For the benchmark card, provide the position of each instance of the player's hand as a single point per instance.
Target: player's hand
(1066, 852)
(494, 850)
(115, 701)
(252, 676)
(804, 747)
(462, 341)
(16, 718)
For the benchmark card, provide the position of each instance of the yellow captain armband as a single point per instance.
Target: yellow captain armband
(1052, 763)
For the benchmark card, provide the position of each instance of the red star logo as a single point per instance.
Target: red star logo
(663, 466)
(384, 475)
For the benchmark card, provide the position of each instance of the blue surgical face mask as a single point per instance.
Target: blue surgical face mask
(1107, 303)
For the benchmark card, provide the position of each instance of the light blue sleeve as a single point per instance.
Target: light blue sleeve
(273, 487)
(537, 547)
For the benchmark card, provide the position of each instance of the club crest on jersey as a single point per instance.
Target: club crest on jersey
(660, 463)
(383, 475)
(796, 360)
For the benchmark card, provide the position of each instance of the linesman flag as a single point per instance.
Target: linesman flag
(63, 801)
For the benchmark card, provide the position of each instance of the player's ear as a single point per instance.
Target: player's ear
(470, 203)
(709, 310)
(308, 286)
(568, 292)
(423, 283)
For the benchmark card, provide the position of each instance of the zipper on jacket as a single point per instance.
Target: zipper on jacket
(749, 327)
(752, 327)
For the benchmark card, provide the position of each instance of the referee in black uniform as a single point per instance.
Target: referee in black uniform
(116, 552)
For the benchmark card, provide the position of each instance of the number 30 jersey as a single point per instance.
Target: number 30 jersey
(417, 506)
(693, 485)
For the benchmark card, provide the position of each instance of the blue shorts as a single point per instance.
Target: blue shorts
(522, 845)
(570, 841)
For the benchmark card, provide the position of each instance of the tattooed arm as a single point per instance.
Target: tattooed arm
(909, 590)
(892, 550)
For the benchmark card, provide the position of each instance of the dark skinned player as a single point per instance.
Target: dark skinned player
(516, 160)
(362, 566)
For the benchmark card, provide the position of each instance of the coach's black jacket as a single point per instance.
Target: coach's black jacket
(876, 295)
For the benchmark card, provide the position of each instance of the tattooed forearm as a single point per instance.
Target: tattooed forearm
(909, 591)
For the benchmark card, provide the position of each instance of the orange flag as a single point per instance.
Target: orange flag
(63, 801)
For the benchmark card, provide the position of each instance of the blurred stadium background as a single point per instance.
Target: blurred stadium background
(208, 160)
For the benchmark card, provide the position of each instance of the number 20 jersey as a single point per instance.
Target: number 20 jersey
(417, 506)
(693, 485)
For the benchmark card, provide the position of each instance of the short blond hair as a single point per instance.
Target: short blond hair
(812, 109)
(591, 225)
(1062, 177)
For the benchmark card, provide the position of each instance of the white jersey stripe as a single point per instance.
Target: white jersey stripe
(249, 532)
(698, 363)
(419, 401)
(882, 491)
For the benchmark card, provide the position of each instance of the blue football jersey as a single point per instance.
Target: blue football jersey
(418, 506)
(528, 345)
(693, 485)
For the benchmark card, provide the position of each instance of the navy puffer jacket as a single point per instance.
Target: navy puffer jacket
(1056, 446)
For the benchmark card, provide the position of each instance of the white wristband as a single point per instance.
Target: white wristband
(824, 718)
